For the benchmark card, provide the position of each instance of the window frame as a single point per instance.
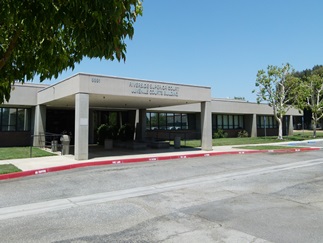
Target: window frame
(14, 123)
(168, 121)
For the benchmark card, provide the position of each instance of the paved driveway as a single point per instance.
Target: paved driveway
(245, 198)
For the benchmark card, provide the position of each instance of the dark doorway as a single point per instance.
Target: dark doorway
(59, 121)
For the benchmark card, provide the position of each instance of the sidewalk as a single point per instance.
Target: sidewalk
(40, 165)
(61, 160)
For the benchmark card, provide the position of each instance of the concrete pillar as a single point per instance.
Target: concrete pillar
(254, 126)
(81, 126)
(206, 125)
(40, 126)
(251, 124)
(140, 125)
(290, 126)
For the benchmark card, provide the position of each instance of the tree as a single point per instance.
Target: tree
(309, 93)
(46, 37)
(275, 87)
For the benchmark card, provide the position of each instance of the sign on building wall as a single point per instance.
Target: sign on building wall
(153, 89)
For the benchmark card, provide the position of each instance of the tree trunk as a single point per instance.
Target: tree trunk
(314, 128)
(280, 128)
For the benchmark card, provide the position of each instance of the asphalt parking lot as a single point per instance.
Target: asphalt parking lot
(230, 198)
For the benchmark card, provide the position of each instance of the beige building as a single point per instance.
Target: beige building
(155, 110)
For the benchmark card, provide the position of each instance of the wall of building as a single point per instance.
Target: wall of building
(24, 95)
(12, 139)
(269, 132)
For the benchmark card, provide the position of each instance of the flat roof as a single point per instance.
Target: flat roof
(116, 92)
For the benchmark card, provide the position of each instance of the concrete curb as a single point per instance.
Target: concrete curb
(146, 159)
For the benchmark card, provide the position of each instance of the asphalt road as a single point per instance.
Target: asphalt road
(235, 198)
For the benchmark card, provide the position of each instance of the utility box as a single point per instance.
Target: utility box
(65, 140)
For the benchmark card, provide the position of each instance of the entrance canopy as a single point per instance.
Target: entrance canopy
(115, 92)
(84, 92)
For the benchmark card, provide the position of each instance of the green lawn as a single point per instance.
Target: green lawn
(298, 136)
(8, 168)
(267, 147)
(18, 153)
(22, 152)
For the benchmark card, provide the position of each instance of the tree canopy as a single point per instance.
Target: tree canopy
(309, 93)
(46, 37)
(275, 86)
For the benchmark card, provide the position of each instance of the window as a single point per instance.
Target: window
(227, 122)
(231, 122)
(153, 121)
(178, 121)
(14, 119)
(169, 121)
(219, 122)
(162, 121)
(241, 122)
(236, 122)
(23, 120)
(266, 122)
(8, 121)
(184, 121)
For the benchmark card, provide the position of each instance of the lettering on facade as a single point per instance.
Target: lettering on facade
(154, 89)
(95, 80)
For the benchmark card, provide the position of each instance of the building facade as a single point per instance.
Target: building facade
(157, 110)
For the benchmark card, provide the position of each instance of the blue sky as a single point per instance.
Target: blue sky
(220, 44)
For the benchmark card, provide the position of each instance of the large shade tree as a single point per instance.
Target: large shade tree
(309, 93)
(274, 87)
(46, 37)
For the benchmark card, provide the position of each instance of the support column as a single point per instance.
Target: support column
(206, 125)
(140, 124)
(254, 126)
(81, 126)
(290, 126)
(137, 129)
(39, 126)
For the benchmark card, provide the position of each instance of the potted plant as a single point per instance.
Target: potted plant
(106, 134)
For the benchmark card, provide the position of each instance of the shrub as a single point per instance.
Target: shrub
(106, 131)
(219, 133)
(243, 134)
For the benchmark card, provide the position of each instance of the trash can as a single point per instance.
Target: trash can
(54, 146)
(177, 142)
(65, 140)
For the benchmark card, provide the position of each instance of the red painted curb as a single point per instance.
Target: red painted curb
(145, 159)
